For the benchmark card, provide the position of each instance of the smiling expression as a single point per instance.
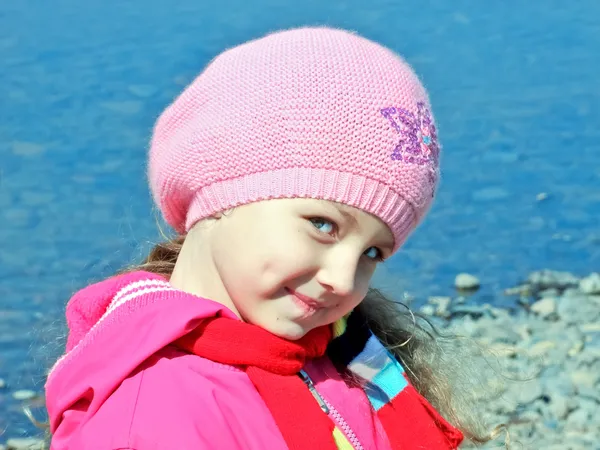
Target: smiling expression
(287, 265)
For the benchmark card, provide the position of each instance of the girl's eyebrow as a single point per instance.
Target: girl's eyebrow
(351, 218)
(347, 215)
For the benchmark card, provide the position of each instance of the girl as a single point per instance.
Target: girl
(290, 168)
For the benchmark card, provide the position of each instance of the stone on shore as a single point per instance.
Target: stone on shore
(24, 395)
(466, 282)
(546, 279)
(544, 307)
(548, 352)
(25, 444)
(590, 284)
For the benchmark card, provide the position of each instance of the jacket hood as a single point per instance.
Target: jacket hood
(114, 326)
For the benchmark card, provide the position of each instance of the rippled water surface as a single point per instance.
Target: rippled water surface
(514, 87)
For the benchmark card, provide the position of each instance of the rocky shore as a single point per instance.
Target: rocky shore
(547, 348)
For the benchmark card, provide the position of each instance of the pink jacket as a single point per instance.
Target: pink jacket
(122, 386)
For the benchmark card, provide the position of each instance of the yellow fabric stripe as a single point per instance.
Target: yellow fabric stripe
(340, 440)
(339, 327)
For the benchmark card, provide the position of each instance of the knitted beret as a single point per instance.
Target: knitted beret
(312, 113)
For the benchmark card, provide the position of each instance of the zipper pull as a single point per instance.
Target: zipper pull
(311, 387)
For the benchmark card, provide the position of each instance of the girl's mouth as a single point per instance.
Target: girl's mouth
(307, 304)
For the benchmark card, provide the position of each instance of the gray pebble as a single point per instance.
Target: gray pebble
(428, 310)
(24, 395)
(466, 281)
(530, 416)
(523, 290)
(552, 292)
(442, 304)
(475, 311)
(529, 393)
(545, 279)
(2, 383)
(544, 307)
(571, 292)
(559, 385)
(25, 444)
(579, 418)
(577, 310)
(590, 284)
(559, 406)
(590, 393)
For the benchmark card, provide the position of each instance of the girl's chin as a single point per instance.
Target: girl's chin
(287, 329)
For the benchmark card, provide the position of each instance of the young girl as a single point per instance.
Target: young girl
(290, 168)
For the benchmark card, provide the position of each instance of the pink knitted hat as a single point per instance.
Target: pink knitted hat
(311, 112)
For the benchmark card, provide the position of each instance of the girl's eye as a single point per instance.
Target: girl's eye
(328, 227)
(377, 256)
(323, 225)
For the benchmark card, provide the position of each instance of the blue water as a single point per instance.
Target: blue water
(514, 87)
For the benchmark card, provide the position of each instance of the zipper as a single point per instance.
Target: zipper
(330, 410)
(311, 387)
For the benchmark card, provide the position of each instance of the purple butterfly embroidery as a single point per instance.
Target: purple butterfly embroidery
(418, 142)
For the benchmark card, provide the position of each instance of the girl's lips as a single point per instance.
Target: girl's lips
(310, 305)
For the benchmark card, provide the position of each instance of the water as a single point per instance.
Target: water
(514, 87)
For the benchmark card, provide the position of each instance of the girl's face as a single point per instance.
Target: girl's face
(286, 265)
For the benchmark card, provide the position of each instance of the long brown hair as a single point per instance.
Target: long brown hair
(440, 365)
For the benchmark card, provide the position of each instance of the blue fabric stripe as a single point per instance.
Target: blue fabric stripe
(381, 371)
(371, 360)
(386, 385)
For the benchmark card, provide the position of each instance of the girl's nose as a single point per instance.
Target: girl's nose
(339, 276)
